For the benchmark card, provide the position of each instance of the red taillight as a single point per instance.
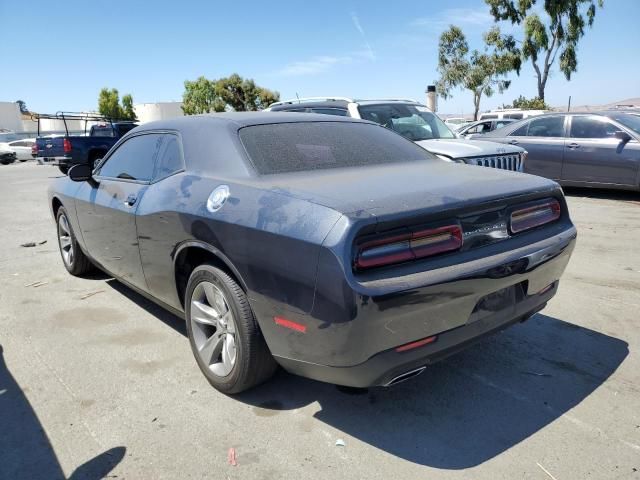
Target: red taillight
(408, 246)
(66, 145)
(283, 322)
(34, 149)
(534, 216)
(419, 343)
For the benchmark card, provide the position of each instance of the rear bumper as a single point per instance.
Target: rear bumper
(352, 332)
(384, 367)
(53, 160)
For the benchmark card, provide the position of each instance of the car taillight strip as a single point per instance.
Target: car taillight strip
(534, 216)
(409, 246)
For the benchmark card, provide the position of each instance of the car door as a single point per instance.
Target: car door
(107, 208)
(594, 155)
(544, 138)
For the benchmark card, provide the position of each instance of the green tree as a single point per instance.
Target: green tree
(200, 97)
(22, 106)
(127, 108)
(109, 105)
(229, 93)
(544, 38)
(480, 72)
(528, 104)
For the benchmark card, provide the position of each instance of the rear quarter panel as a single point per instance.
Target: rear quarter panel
(271, 239)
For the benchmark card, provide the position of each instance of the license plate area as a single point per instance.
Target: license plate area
(502, 300)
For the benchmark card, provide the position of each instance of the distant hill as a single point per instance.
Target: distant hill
(629, 101)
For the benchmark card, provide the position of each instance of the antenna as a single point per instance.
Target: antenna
(297, 97)
(569, 106)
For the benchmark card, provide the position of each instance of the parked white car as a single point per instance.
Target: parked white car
(511, 113)
(22, 148)
(415, 122)
(455, 122)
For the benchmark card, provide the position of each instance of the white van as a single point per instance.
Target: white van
(513, 113)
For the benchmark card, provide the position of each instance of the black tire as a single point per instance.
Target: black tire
(77, 264)
(22, 160)
(94, 159)
(253, 363)
(64, 169)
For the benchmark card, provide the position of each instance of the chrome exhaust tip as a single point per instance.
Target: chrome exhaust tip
(405, 376)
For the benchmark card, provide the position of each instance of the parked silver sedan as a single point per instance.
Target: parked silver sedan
(593, 149)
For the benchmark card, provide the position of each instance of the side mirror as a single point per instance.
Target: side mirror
(80, 172)
(624, 137)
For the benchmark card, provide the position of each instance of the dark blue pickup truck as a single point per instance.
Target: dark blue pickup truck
(68, 150)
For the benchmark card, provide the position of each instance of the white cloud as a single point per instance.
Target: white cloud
(314, 65)
(356, 23)
(320, 64)
(456, 16)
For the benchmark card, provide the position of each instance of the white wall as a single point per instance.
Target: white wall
(149, 112)
(10, 116)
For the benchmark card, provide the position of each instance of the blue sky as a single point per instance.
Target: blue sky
(57, 57)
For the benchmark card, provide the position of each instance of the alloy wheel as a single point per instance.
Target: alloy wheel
(214, 328)
(65, 240)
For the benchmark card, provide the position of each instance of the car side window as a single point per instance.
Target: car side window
(480, 128)
(170, 158)
(520, 132)
(134, 159)
(592, 127)
(546, 127)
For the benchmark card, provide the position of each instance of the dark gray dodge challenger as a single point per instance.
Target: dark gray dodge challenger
(330, 246)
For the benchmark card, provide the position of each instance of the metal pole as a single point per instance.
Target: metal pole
(569, 106)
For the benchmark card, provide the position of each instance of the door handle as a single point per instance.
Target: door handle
(131, 200)
(513, 142)
(573, 146)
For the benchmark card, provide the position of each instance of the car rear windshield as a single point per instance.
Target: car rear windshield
(296, 147)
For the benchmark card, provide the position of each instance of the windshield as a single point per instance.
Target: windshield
(302, 146)
(414, 122)
(629, 120)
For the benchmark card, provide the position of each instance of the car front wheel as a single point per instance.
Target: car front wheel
(223, 332)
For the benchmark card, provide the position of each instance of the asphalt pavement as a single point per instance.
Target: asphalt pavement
(96, 381)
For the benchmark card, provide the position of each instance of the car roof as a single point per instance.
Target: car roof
(210, 141)
(239, 120)
(314, 104)
(339, 103)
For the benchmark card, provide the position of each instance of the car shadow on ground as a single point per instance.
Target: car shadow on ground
(176, 323)
(25, 449)
(603, 194)
(470, 407)
(463, 410)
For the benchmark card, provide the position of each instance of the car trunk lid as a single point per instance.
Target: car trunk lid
(407, 189)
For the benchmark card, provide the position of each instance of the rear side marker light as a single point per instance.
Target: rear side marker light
(534, 216)
(408, 246)
(419, 343)
(546, 289)
(283, 322)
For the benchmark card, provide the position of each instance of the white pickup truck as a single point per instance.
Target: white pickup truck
(416, 122)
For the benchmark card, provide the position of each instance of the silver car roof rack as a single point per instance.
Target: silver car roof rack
(311, 99)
